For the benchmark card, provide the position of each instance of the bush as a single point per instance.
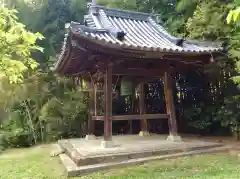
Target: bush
(63, 128)
(18, 138)
(63, 117)
(3, 142)
(44, 108)
(201, 117)
(229, 114)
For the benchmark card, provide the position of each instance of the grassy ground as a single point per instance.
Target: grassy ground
(36, 163)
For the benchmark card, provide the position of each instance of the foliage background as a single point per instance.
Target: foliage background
(43, 107)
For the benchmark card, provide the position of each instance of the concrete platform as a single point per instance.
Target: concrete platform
(85, 156)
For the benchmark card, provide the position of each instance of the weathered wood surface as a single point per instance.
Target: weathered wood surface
(170, 104)
(108, 104)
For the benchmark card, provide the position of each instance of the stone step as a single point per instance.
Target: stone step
(70, 151)
(79, 160)
(73, 170)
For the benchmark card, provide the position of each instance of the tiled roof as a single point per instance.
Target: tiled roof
(137, 31)
(131, 30)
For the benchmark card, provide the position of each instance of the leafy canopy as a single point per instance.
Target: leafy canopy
(16, 47)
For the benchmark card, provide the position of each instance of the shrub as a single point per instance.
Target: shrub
(3, 143)
(44, 108)
(229, 114)
(18, 138)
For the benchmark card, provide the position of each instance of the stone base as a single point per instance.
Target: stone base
(107, 144)
(144, 133)
(75, 170)
(90, 137)
(174, 138)
(83, 157)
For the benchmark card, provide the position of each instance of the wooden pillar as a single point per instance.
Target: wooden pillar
(170, 107)
(91, 103)
(142, 109)
(130, 112)
(108, 108)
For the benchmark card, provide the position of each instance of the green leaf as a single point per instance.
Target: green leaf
(230, 16)
(236, 14)
(236, 79)
(233, 15)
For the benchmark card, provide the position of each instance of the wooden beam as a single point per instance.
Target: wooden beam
(133, 117)
(108, 104)
(139, 67)
(140, 72)
(170, 104)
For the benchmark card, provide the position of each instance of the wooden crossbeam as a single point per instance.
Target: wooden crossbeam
(132, 117)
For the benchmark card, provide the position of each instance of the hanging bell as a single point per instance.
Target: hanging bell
(126, 86)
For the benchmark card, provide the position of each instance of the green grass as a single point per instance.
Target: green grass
(36, 163)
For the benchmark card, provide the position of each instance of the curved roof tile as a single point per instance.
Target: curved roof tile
(137, 30)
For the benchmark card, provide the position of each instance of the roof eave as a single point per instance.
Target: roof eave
(123, 46)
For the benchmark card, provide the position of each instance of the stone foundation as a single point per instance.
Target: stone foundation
(83, 156)
(107, 144)
(90, 137)
(174, 138)
(144, 133)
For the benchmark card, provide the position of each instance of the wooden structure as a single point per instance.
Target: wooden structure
(113, 43)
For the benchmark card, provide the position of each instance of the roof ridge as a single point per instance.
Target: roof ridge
(121, 12)
(103, 13)
(82, 29)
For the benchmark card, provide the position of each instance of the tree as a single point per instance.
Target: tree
(17, 45)
(48, 17)
(206, 19)
(129, 5)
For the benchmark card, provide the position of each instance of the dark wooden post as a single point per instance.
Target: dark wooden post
(142, 109)
(91, 103)
(108, 108)
(130, 122)
(170, 107)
